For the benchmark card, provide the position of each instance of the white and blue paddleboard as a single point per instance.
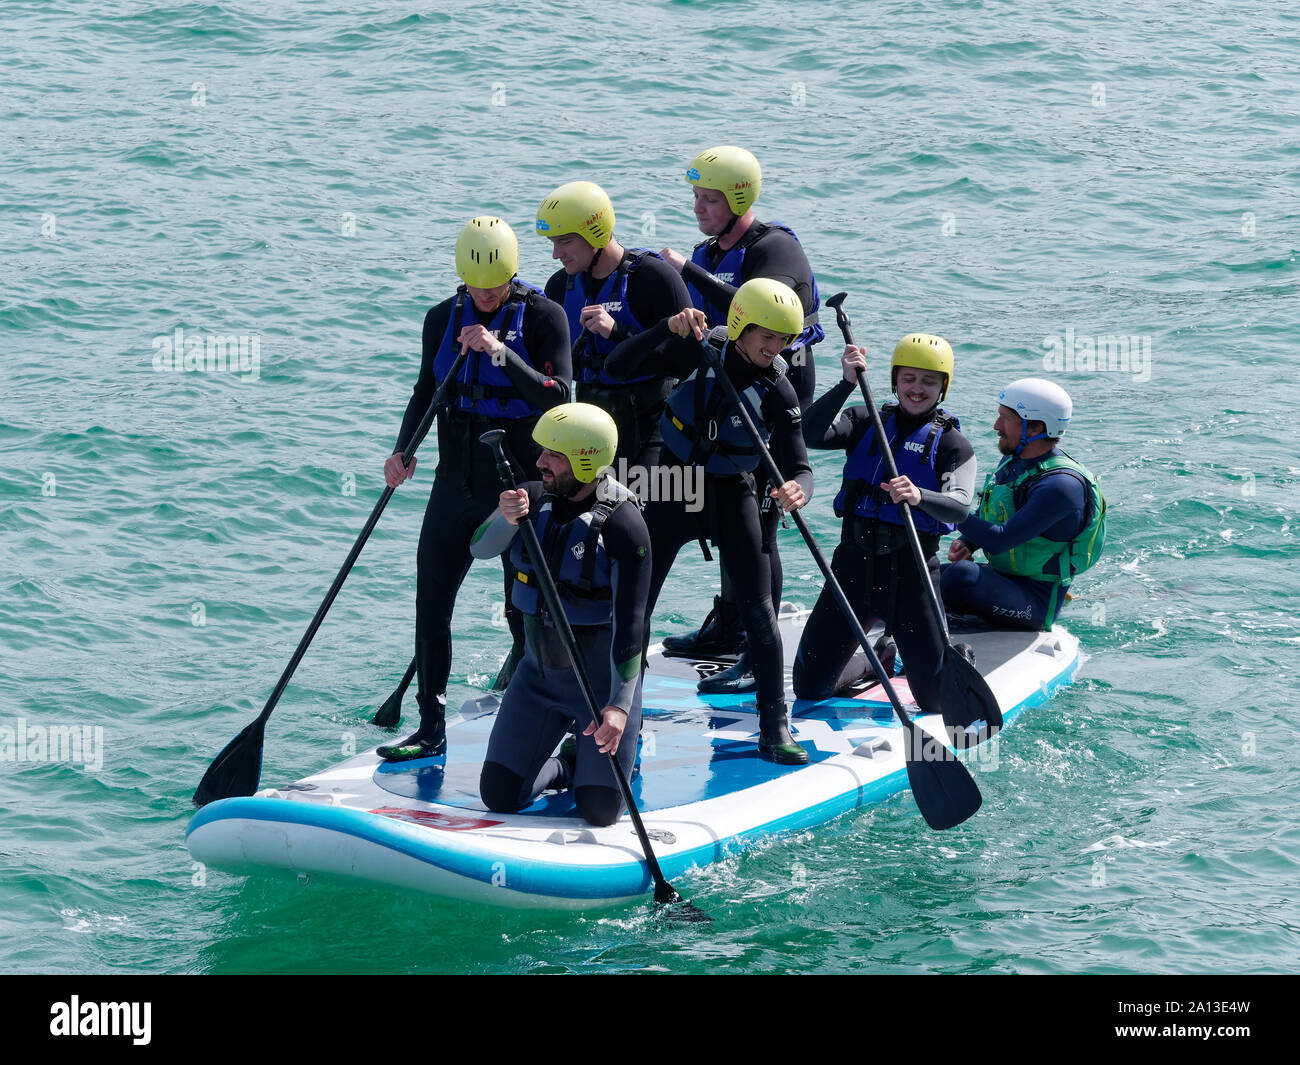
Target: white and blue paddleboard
(701, 787)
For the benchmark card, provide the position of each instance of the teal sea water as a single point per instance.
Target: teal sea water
(1000, 174)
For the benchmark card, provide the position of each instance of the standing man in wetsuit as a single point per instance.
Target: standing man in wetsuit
(726, 182)
(874, 563)
(609, 294)
(517, 367)
(701, 428)
(1041, 520)
(598, 550)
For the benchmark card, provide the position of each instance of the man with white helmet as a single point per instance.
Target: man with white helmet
(609, 294)
(1041, 518)
(517, 366)
(726, 181)
(599, 553)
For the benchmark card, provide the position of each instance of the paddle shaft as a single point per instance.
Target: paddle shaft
(937, 611)
(435, 405)
(664, 891)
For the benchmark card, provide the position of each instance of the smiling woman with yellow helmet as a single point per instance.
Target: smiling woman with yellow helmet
(515, 365)
(873, 562)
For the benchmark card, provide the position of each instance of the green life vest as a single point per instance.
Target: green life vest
(1057, 562)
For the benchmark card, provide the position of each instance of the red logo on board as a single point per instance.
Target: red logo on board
(431, 819)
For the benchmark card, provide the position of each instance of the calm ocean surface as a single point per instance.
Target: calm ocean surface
(1022, 178)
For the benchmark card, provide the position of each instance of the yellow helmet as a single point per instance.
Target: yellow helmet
(583, 433)
(730, 170)
(579, 207)
(487, 254)
(767, 304)
(925, 352)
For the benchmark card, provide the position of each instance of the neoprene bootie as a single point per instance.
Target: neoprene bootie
(736, 680)
(720, 634)
(774, 740)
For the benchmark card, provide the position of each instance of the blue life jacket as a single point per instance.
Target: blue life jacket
(727, 269)
(482, 386)
(701, 429)
(915, 457)
(590, 349)
(575, 557)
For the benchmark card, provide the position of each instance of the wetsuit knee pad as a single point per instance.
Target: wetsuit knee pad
(501, 789)
(598, 805)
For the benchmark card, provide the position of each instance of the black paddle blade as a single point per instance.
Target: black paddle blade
(236, 770)
(965, 695)
(942, 786)
(388, 715)
(672, 907)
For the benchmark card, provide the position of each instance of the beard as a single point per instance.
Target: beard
(563, 485)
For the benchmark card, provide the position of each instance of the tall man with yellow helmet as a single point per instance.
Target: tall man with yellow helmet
(873, 562)
(700, 428)
(517, 367)
(598, 550)
(609, 294)
(726, 181)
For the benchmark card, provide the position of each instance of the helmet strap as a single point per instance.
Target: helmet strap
(1025, 438)
(729, 226)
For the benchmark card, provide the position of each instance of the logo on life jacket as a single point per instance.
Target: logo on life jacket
(579, 550)
(914, 445)
(613, 306)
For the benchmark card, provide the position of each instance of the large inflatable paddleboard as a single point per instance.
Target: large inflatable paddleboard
(702, 790)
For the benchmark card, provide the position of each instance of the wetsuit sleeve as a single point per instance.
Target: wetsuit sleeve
(775, 254)
(781, 411)
(546, 333)
(659, 347)
(825, 428)
(779, 256)
(955, 467)
(495, 535)
(627, 546)
(435, 327)
(1054, 507)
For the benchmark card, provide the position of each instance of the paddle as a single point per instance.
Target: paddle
(944, 790)
(664, 891)
(964, 693)
(235, 771)
(388, 715)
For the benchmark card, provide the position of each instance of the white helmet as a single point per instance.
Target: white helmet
(1036, 400)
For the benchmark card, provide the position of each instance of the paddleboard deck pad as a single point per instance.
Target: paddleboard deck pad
(701, 787)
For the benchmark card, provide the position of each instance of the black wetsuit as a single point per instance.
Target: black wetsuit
(874, 564)
(654, 291)
(772, 253)
(465, 485)
(544, 700)
(728, 514)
